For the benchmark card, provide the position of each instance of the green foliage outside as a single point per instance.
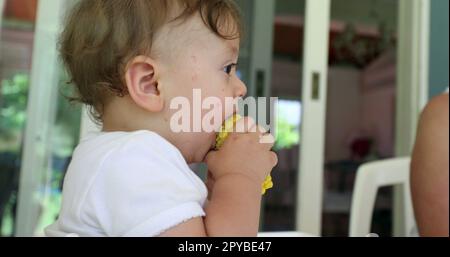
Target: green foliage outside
(287, 135)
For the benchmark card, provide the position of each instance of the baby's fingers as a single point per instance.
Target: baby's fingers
(263, 136)
(267, 140)
(273, 159)
(244, 125)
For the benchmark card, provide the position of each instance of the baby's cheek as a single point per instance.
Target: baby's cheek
(194, 78)
(231, 106)
(215, 90)
(213, 115)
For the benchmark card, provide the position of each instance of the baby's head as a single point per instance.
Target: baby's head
(129, 59)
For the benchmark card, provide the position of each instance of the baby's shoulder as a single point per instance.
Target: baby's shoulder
(147, 141)
(117, 145)
(120, 156)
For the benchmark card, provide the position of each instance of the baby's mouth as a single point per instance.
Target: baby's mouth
(216, 133)
(213, 141)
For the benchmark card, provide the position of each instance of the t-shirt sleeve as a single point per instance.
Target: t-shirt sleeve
(141, 192)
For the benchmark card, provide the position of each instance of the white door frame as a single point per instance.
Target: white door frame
(40, 114)
(2, 11)
(311, 159)
(2, 14)
(412, 85)
(413, 70)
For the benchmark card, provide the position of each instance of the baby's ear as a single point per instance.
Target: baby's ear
(142, 83)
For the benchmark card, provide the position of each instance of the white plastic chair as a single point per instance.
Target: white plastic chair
(372, 176)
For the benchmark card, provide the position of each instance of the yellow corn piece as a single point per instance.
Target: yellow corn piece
(268, 184)
(226, 129)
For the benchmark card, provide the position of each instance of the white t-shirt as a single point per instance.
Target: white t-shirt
(127, 184)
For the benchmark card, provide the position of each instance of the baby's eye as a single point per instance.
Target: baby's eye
(229, 68)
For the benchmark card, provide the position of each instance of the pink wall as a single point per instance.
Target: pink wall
(378, 102)
(356, 109)
(343, 111)
(378, 118)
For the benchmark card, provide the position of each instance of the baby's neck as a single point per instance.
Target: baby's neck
(122, 116)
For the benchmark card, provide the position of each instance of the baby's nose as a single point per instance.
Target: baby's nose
(240, 89)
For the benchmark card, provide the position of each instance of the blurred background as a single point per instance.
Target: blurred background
(352, 77)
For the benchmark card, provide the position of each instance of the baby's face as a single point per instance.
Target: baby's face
(205, 63)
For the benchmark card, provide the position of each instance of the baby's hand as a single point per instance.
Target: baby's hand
(246, 154)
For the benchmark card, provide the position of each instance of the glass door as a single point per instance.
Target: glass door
(361, 100)
(285, 56)
(17, 35)
(40, 129)
(280, 204)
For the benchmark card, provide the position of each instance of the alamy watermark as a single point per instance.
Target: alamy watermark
(206, 114)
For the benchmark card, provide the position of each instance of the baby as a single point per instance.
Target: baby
(129, 59)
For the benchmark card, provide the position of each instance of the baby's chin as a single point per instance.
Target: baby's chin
(200, 147)
(208, 146)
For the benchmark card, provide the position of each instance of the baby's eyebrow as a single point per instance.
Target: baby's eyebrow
(232, 50)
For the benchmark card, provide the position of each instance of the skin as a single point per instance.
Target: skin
(430, 169)
(189, 56)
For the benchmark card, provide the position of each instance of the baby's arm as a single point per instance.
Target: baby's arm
(234, 208)
(238, 169)
(232, 211)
